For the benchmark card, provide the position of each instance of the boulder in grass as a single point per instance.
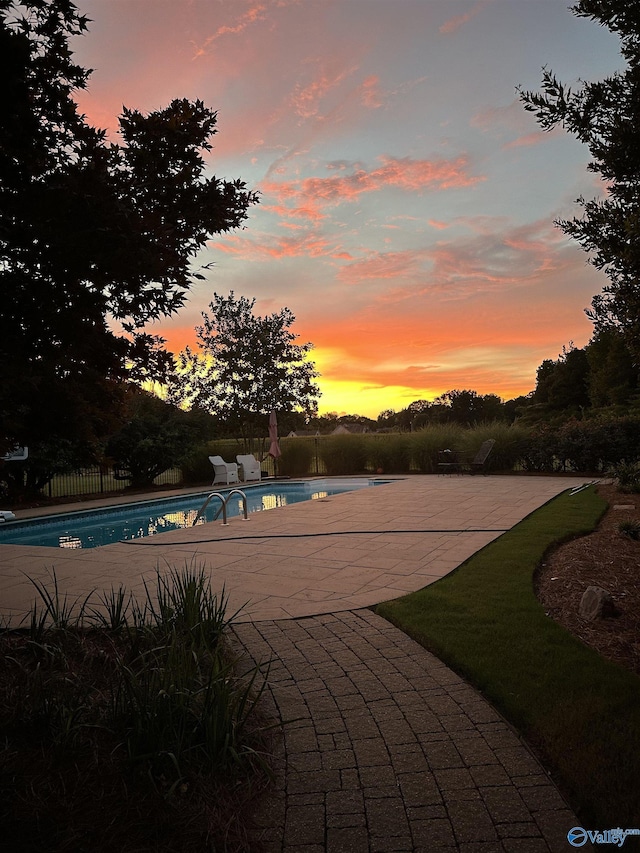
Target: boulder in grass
(596, 603)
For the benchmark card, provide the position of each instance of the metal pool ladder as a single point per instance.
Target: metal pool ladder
(223, 508)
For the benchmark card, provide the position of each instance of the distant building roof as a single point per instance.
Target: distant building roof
(350, 428)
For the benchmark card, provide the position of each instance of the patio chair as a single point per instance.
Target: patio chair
(225, 472)
(249, 467)
(459, 462)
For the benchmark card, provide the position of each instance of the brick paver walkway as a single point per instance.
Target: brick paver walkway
(389, 750)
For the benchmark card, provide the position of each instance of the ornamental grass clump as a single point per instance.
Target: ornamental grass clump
(630, 528)
(389, 454)
(344, 454)
(427, 443)
(134, 709)
(297, 457)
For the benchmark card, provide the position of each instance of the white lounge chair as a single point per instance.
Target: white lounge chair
(225, 472)
(249, 467)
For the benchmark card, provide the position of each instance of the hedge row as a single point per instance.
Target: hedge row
(588, 446)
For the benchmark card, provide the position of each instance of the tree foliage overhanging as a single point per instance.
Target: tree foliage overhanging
(605, 115)
(92, 234)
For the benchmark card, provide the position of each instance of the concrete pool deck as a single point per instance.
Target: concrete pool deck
(343, 552)
(386, 750)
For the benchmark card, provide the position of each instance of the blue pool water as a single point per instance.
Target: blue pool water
(92, 528)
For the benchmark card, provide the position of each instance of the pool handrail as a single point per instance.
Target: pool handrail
(245, 511)
(223, 505)
(206, 504)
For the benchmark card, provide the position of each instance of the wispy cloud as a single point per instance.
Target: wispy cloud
(385, 265)
(307, 98)
(240, 23)
(306, 196)
(454, 24)
(308, 245)
(486, 260)
(531, 139)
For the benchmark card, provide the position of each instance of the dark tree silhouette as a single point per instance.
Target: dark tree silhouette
(563, 385)
(97, 239)
(605, 115)
(247, 366)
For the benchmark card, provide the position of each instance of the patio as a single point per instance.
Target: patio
(344, 552)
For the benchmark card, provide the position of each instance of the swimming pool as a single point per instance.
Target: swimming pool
(93, 528)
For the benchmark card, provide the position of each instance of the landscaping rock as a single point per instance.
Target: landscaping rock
(596, 602)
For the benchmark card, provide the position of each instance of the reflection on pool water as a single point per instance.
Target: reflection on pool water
(93, 528)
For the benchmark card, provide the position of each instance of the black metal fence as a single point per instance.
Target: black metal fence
(97, 481)
(102, 480)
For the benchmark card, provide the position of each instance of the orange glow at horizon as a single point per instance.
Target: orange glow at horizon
(393, 384)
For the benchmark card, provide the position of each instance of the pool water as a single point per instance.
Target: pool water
(93, 528)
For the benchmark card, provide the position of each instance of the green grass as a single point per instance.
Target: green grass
(580, 712)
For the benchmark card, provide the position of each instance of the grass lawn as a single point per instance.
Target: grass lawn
(580, 712)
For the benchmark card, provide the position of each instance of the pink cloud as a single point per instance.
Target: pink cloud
(494, 259)
(395, 173)
(306, 99)
(251, 16)
(512, 116)
(301, 245)
(454, 24)
(528, 140)
(308, 212)
(502, 122)
(370, 93)
(383, 265)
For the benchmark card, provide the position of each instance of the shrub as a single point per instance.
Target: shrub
(590, 446)
(541, 451)
(154, 439)
(627, 476)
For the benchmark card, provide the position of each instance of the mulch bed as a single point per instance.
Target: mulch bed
(606, 558)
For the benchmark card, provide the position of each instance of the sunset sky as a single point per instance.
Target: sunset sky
(407, 198)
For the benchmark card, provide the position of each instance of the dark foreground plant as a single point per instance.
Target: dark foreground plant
(628, 476)
(630, 528)
(129, 728)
